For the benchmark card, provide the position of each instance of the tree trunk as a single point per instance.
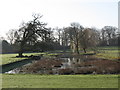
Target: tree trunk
(77, 46)
(84, 50)
(77, 49)
(20, 54)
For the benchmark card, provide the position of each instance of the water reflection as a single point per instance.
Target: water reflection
(70, 62)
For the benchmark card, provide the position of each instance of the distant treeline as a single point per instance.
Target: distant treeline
(8, 48)
(34, 36)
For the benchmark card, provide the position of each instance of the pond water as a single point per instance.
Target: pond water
(70, 62)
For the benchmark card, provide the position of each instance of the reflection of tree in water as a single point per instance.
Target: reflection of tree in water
(70, 62)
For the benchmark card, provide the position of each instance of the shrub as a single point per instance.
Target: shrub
(66, 71)
(42, 65)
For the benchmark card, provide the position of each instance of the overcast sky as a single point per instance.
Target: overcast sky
(89, 13)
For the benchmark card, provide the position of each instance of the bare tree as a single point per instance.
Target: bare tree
(59, 34)
(65, 37)
(76, 29)
(11, 36)
(29, 32)
(108, 33)
(88, 38)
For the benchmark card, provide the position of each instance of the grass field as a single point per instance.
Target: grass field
(109, 54)
(8, 58)
(112, 53)
(59, 81)
(109, 47)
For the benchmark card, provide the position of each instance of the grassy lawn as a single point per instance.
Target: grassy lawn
(59, 81)
(111, 53)
(109, 47)
(8, 58)
(107, 52)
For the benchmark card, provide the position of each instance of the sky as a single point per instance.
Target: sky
(58, 13)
